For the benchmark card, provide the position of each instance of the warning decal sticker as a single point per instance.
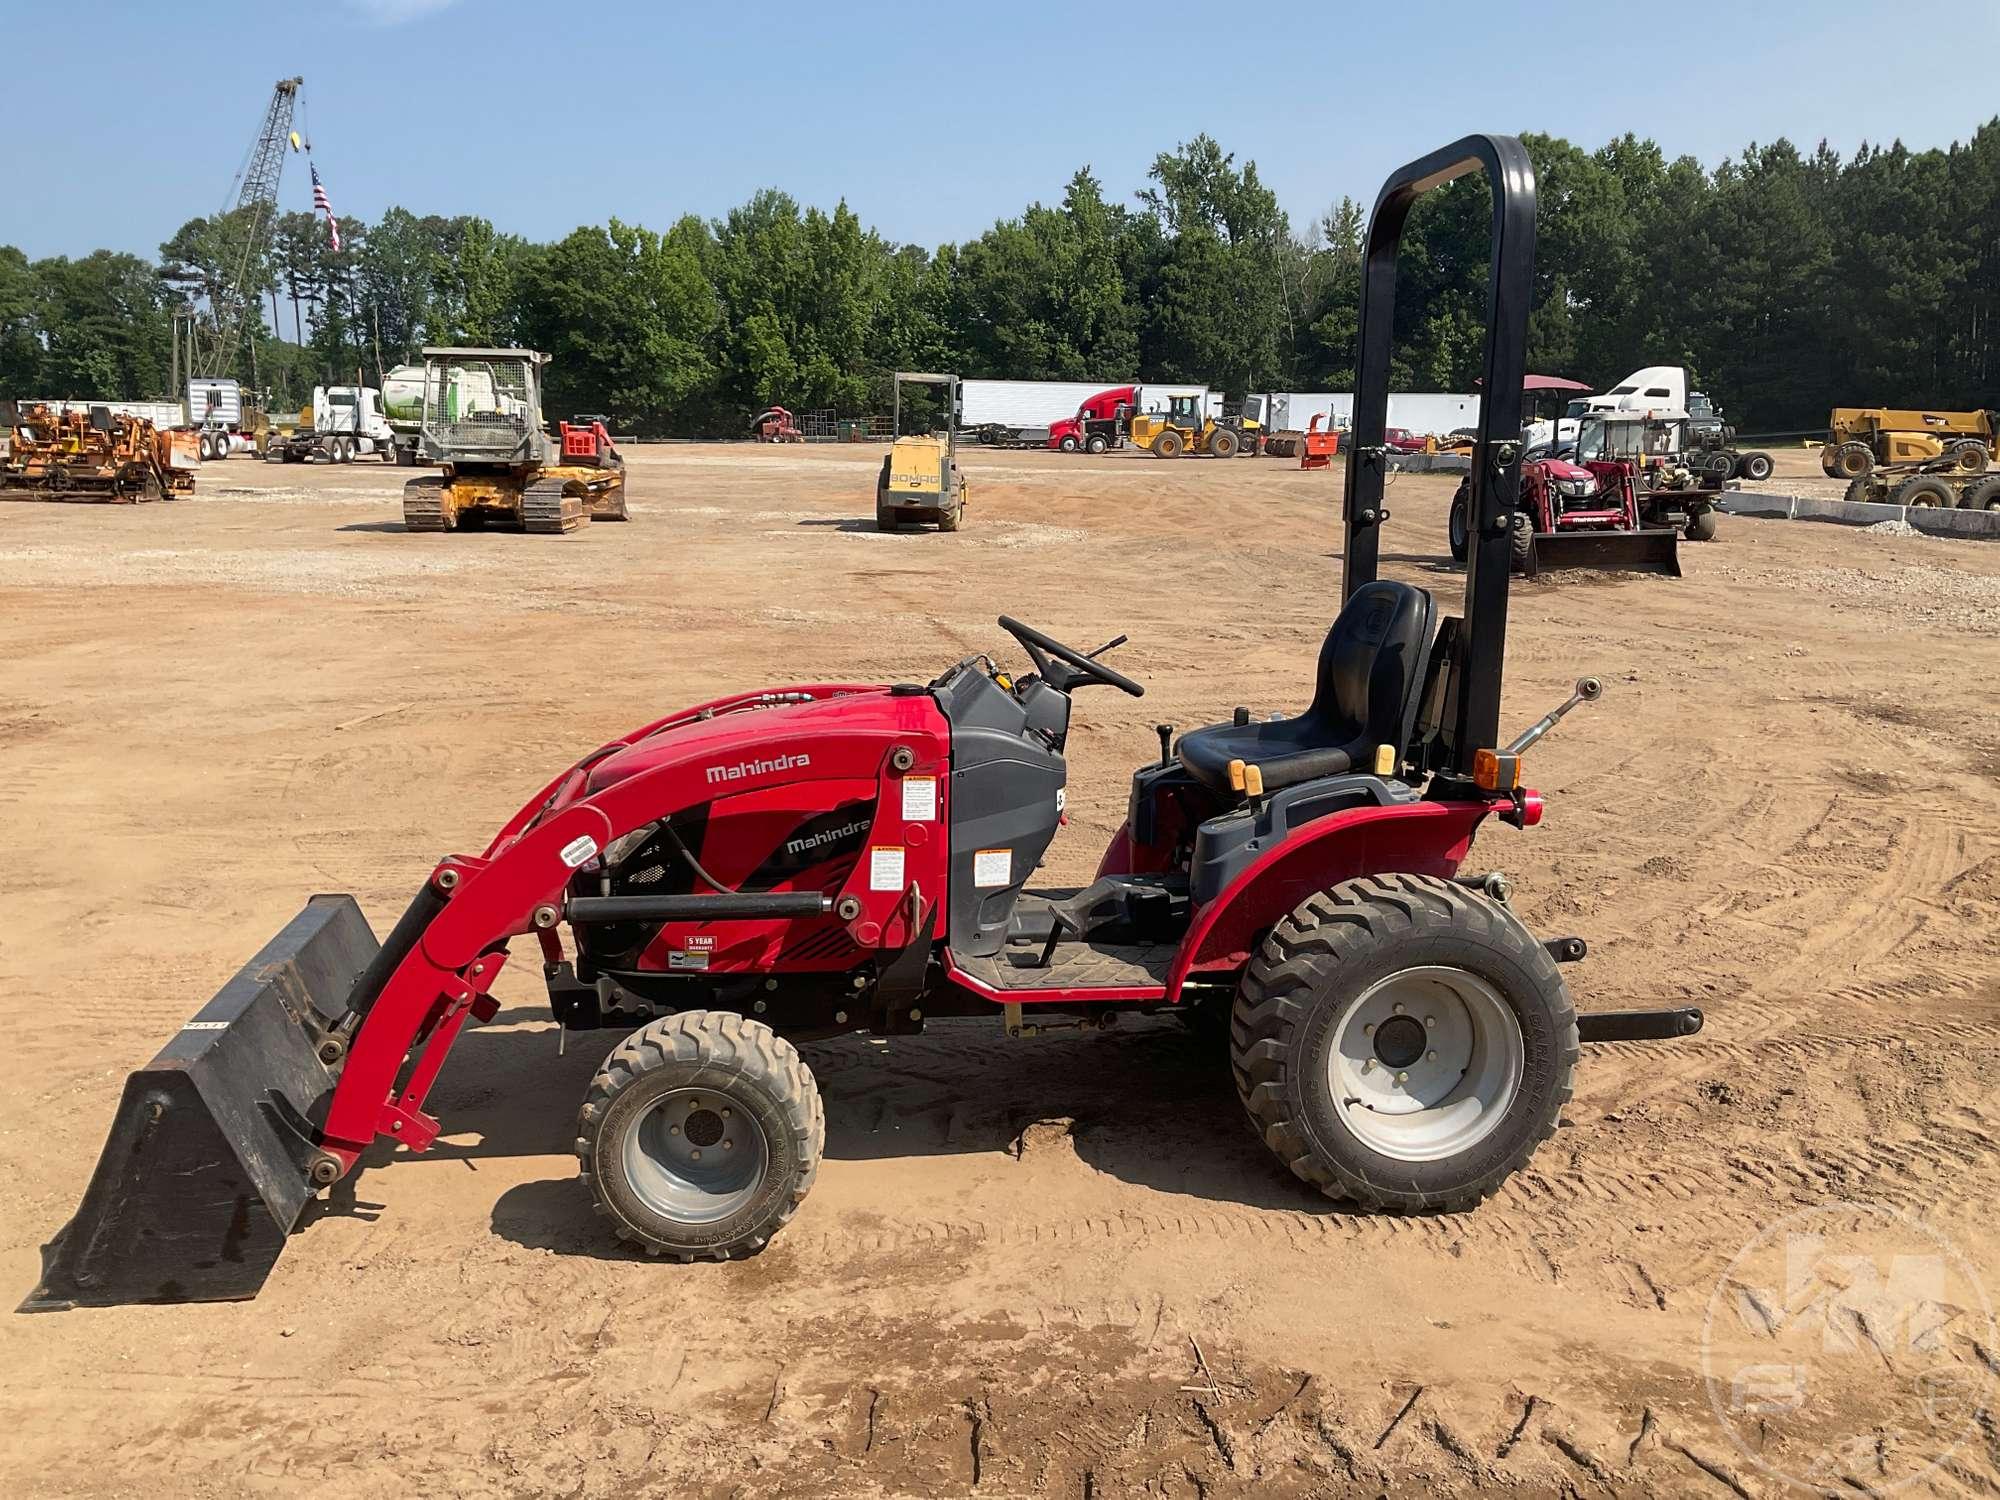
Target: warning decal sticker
(885, 869)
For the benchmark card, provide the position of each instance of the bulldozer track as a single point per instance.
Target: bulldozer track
(423, 504)
(548, 509)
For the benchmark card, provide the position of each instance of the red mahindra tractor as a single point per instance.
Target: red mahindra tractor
(830, 858)
(1581, 515)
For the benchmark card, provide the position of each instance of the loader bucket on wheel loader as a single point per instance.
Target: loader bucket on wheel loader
(210, 1159)
(1626, 551)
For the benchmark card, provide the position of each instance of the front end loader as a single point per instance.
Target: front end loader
(482, 422)
(829, 858)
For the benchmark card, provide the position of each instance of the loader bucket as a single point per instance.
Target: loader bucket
(1631, 551)
(208, 1165)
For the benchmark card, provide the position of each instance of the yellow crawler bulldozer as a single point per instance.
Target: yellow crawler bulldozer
(1859, 438)
(1184, 428)
(100, 455)
(482, 421)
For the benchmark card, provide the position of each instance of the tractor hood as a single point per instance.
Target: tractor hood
(775, 731)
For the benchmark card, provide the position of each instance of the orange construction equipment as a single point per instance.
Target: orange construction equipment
(776, 426)
(99, 455)
(1318, 448)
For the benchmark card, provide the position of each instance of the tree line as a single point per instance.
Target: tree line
(1786, 281)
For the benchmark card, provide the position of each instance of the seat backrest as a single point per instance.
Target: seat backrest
(1371, 669)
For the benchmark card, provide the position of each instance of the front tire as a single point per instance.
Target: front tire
(1068, 444)
(1404, 1043)
(1167, 445)
(1701, 526)
(701, 1135)
(1852, 461)
(1458, 524)
(1521, 542)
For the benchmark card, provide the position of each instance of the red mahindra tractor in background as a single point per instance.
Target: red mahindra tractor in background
(836, 857)
(1622, 501)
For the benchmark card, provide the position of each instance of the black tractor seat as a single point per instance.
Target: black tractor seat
(1371, 674)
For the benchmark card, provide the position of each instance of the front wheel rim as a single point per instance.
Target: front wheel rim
(695, 1156)
(1426, 1063)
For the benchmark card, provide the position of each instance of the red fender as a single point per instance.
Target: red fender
(1413, 838)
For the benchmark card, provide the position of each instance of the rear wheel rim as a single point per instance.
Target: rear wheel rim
(695, 1156)
(1426, 1063)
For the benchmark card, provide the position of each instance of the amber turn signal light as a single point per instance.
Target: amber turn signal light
(1495, 772)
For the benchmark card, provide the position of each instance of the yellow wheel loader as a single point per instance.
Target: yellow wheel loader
(1183, 428)
(920, 479)
(482, 421)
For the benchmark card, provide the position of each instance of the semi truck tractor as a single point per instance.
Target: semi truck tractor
(340, 424)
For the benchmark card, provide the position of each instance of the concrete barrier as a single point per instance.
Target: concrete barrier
(1979, 525)
(1430, 463)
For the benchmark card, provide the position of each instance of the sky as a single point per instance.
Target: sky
(932, 121)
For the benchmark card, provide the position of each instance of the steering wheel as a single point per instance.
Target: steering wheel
(1079, 668)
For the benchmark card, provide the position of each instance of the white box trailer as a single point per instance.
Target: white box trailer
(162, 414)
(1427, 413)
(1025, 403)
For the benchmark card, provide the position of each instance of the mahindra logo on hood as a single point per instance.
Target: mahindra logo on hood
(745, 768)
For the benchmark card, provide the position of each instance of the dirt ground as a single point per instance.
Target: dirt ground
(1060, 1266)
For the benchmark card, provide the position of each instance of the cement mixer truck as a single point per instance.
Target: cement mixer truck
(469, 391)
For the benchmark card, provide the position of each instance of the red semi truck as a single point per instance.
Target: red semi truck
(1099, 424)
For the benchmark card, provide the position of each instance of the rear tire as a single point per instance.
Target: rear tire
(1860, 491)
(1926, 491)
(1701, 526)
(1755, 466)
(1971, 455)
(950, 515)
(1434, 1121)
(1458, 525)
(1097, 443)
(701, 1135)
(1984, 495)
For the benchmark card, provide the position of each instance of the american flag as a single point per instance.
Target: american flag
(325, 206)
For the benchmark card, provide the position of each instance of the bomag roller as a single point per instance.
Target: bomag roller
(96, 456)
(840, 857)
(482, 421)
(920, 480)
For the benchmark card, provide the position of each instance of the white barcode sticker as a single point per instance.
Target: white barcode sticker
(920, 799)
(206, 1026)
(993, 867)
(578, 849)
(885, 869)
